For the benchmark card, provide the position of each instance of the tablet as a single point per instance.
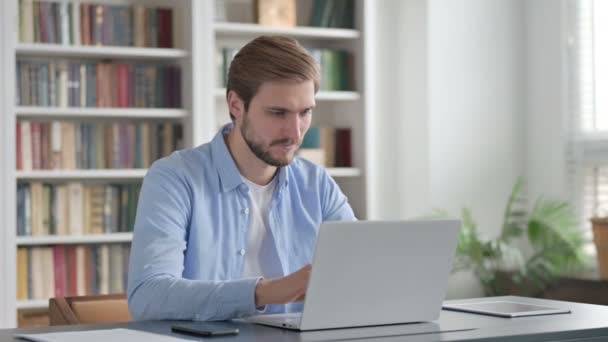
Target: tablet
(505, 309)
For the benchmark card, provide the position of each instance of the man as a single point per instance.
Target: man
(227, 229)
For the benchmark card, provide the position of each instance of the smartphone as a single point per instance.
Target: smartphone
(201, 329)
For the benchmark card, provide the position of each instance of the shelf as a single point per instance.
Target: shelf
(251, 30)
(97, 113)
(57, 50)
(33, 304)
(341, 95)
(73, 239)
(344, 172)
(220, 93)
(45, 175)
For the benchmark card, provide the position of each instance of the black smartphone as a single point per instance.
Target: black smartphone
(201, 329)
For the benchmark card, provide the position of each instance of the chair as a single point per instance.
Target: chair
(89, 309)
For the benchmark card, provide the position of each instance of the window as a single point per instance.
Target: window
(587, 65)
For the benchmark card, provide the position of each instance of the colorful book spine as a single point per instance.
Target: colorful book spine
(102, 84)
(71, 270)
(67, 23)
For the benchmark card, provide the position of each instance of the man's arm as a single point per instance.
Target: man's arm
(334, 203)
(156, 288)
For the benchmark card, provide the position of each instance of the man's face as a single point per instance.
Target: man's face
(278, 117)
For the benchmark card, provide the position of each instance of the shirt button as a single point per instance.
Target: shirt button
(246, 211)
(241, 251)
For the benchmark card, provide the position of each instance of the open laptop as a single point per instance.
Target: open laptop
(367, 273)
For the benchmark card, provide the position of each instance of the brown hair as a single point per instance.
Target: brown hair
(269, 58)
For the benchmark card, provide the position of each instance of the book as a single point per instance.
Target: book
(61, 269)
(81, 280)
(75, 200)
(332, 13)
(276, 12)
(343, 148)
(315, 155)
(103, 267)
(37, 216)
(26, 145)
(72, 270)
(22, 274)
(62, 210)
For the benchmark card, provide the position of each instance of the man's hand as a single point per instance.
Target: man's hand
(288, 289)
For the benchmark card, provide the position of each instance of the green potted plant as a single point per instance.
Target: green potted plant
(551, 230)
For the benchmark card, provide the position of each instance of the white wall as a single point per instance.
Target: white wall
(476, 107)
(545, 98)
(401, 116)
(476, 104)
(453, 118)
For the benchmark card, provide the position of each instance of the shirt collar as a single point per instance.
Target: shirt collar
(227, 170)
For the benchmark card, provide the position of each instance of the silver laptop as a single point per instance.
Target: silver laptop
(367, 273)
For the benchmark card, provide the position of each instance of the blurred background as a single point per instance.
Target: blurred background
(491, 111)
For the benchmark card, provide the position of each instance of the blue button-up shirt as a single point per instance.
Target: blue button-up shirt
(191, 228)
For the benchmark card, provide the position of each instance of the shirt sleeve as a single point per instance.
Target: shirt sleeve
(156, 288)
(334, 203)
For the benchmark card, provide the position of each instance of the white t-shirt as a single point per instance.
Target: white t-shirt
(261, 259)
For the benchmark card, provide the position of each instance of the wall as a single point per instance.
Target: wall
(455, 118)
(545, 99)
(401, 148)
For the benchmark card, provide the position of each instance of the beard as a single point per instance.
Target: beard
(261, 151)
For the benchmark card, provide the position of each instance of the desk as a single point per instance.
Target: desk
(586, 323)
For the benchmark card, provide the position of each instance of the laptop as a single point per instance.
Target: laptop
(368, 273)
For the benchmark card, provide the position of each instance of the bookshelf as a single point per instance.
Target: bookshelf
(197, 37)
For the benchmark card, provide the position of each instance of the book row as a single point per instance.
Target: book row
(75, 208)
(65, 83)
(67, 270)
(99, 145)
(328, 146)
(72, 23)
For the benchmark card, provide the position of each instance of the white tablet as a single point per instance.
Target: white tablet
(505, 309)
